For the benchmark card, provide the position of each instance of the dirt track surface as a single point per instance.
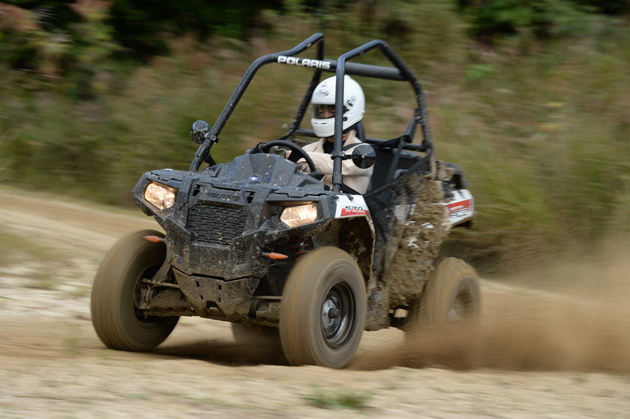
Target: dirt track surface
(561, 350)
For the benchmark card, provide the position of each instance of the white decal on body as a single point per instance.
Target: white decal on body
(461, 207)
(347, 207)
(458, 209)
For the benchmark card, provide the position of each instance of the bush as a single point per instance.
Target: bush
(544, 17)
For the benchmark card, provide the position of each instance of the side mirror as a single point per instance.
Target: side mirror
(363, 156)
(198, 131)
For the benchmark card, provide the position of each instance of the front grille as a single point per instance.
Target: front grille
(216, 224)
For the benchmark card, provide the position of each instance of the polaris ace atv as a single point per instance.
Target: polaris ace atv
(275, 251)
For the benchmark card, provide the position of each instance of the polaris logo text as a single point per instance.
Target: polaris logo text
(304, 62)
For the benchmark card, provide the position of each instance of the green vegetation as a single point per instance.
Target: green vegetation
(15, 250)
(530, 97)
(14, 247)
(343, 399)
(72, 340)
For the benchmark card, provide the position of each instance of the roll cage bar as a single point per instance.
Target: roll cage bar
(340, 67)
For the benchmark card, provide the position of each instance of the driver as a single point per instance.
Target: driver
(323, 102)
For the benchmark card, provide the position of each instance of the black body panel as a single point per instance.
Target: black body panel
(227, 217)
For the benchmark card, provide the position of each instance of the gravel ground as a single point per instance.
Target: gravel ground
(53, 365)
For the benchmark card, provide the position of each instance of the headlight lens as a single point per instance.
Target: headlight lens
(299, 215)
(160, 196)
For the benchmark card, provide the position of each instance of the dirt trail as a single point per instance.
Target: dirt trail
(558, 347)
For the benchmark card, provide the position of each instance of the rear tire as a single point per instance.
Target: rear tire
(451, 298)
(323, 310)
(116, 318)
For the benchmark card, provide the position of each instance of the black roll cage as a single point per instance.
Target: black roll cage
(340, 67)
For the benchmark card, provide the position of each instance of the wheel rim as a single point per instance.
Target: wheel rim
(461, 304)
(338, 314)
(136, 300)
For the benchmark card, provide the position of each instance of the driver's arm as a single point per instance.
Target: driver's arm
(324, 163)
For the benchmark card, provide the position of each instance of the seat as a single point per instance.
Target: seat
(387, 157)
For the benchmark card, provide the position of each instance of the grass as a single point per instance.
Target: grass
(72, 340)
(14, 247)
(198, 398)
(580, 379)
(16, 251)
(38, 266)
(45, 284)
(343, 399)
(5, 163)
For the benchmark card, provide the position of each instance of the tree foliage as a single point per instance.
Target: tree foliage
(544, 17)
(140, 24)
(68, 36)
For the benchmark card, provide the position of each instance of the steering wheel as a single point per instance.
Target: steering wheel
(297, 152)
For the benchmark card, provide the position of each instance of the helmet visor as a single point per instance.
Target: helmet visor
(321, 111)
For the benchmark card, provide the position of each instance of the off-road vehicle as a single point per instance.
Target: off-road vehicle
(259, 243)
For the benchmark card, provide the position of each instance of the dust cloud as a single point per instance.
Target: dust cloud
(570, 315)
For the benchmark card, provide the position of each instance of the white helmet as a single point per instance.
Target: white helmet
(323, 102)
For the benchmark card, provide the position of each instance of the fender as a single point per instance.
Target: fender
(461, 208)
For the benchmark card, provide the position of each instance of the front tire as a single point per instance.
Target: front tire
(323, 309)
(116, 318)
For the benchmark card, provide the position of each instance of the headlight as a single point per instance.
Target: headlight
(299, 215)
(160, 196)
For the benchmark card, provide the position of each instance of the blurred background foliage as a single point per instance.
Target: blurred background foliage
(530, 97)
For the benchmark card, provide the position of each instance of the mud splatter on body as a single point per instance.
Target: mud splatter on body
(414, 261)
